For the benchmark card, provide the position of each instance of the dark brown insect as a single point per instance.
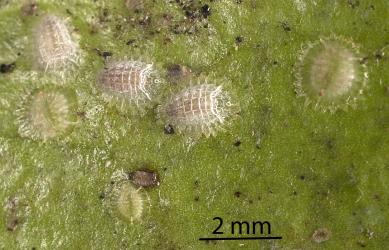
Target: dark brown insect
(144, 178)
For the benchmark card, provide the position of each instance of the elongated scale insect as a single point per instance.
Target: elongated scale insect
(132, 81)
(200, 109)
(46, 114)
(330, 74)
(56, 50)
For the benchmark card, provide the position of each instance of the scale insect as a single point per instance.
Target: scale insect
(130, 81)
(56, 50)
(47, 113)
(330, 74)
(126, 201)
(199, 109)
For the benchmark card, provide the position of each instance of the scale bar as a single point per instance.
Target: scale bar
(245, 238)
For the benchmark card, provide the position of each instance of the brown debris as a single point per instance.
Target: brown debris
(321, 234)
(134, 5)
(177, 73)
(30, 8)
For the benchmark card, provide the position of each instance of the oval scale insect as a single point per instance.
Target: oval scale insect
(56, 50)
(132, 81)
(330, 74)
(47, 113)
(199, 109)
(126, 201)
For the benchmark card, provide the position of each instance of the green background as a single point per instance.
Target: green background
(299, 168)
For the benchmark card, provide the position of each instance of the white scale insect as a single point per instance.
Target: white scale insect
(330, 74)
(45, 115)
(56, 50)
(134, 81)
(200, 109)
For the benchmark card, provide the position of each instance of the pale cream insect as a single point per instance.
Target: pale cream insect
(46, 114)
(200, 109)
(56, 50)
(133, 81)
(330, 74)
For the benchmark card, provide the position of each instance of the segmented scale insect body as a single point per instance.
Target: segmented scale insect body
(134, 81)
(200, 109)
(56, 50)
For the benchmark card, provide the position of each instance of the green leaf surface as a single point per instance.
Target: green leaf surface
(297, 167)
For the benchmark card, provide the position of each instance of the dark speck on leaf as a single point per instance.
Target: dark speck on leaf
(178, 73)
(105, 12)
(237, 143)
(12, 224)
(106, 54)
(189, 14)
(7, 68)
(174, 71)
(364, 60)
(361, 244)
(286, 26)
(30, 9)
(239, 39)
(353, 3)
(103, 54)
(145, 21)
(302, 177)
(206, 11)
(377, 197)
(379, 55)
(330, 143)
(131, 41)
(81, 114)
(237, 194)
(168, 129)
